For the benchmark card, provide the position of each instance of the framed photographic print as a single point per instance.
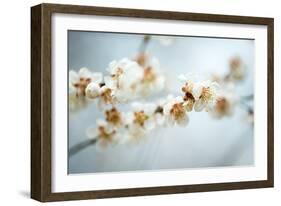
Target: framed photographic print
(130, 102)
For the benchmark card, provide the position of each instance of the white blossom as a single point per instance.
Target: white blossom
(80, 80)
(124, 79)
(189, 99)
(134, 133)
(106, 96)
(140, 120)
(205, 95)
(114, 117)
(198, 94)
(175, 112)
(142, 115)
(104, 133)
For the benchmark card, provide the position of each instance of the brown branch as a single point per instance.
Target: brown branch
(80, 146)
(144, 44)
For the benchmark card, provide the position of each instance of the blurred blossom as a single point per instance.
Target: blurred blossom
(224, 82)
(220, 79)
(142, 59)
(237, 69)
(224, 106)
(77, 103)
(228, 99)
(152, 81)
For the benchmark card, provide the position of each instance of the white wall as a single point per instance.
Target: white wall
(15, 103)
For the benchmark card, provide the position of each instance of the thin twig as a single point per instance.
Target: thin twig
(80, 146)
(144, 44)
(243, 100)
(248, 97)
(248, 108)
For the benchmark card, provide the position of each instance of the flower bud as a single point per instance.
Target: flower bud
(93, 90)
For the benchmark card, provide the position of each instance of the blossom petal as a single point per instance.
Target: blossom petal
(199, 105)
(197, 90)
(97, 77)
(159, 83)
(112, 66)
(188, 105)
(91, 132)
(159, 119)
(167, 108)
(183, 121)
(178, 99)
(182, 78)
(149, 124)
(84, 73)
(150, 108)
(73, 77)
(137, 106)
(72, 91)
(109, 82)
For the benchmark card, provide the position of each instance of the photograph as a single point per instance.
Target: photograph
(153, 102)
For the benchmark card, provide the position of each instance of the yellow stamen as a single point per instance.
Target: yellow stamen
(177, 111)
(140, 118)
(113, 116)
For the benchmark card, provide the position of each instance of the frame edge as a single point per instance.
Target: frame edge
(41, 103)
(157, 14)
(36, 138)
(270, 93)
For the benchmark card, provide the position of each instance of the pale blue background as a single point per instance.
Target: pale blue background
(205, 142)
